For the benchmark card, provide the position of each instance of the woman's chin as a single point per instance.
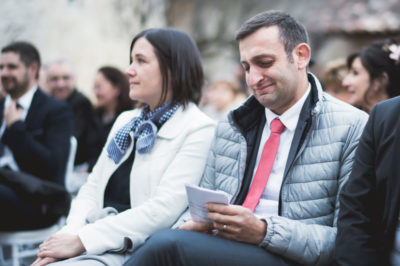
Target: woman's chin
(354, 101)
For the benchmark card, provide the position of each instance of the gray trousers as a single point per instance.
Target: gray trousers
(186, 248)
(109, 259)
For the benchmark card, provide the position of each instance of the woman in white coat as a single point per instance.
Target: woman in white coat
(137, 185)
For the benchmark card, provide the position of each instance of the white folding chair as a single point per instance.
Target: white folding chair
(24, 244)
(69, 170)
(74, 177)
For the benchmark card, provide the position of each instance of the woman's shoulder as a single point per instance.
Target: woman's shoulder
(194, 115)
(127, 116)
(189, 119)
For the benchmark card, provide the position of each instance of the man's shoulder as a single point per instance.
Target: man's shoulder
(385, 115)
(388, 108)
(47, 102)
(338, 109)
(227, 132)
(78, 99)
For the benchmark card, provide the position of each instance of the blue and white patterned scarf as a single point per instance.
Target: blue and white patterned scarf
(144, 129)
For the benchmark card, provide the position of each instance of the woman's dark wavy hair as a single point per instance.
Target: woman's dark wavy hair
(180, 63)
(120, 81)
(375, 59)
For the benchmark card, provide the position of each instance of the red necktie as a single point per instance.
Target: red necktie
(264, 166)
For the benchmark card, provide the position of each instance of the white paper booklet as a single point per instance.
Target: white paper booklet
(198, 197)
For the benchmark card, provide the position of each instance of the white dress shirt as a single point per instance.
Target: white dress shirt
(269, 200)
(25, 102)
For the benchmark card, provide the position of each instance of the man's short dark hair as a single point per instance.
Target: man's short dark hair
(291, 32)
(180, 63)
(27, 53)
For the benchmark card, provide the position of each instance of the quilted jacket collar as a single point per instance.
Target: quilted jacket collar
(248, 114)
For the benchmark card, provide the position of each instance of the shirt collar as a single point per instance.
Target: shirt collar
(25, 100)
(291, 116)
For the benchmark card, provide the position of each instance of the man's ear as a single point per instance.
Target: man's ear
(302, 55)
(33, 69)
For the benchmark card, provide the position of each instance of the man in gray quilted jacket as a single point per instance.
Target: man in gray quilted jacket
(294, 220)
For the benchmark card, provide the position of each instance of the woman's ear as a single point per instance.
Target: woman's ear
(380, 83)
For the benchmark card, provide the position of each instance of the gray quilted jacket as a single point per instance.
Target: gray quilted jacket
(319, 163)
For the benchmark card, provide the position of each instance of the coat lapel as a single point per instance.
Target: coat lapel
(33, 112)
(1, 110)
(394, 181)
(172, 127)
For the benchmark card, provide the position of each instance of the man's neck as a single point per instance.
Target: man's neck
(300, 91)
(29, 87)
(303, 87)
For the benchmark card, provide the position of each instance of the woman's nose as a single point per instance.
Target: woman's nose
(130, 71)
(346, 81)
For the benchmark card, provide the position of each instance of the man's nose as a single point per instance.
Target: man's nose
(253, 77)
(4, 72)
(60, 82)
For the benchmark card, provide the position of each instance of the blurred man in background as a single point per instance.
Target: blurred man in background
(61, 84)
(35, 135)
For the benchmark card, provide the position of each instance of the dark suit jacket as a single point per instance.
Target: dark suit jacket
(83, 126)
(369, 204)
(40, 144)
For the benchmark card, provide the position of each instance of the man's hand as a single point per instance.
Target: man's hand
(12, 113)
(197, 227)
(237, 223)
(59, 246)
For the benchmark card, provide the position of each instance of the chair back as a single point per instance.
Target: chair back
(69, 169)
(24, 244)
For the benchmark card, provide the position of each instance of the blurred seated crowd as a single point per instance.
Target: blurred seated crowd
(307, 162)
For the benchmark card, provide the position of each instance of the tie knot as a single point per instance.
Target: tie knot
(277, 126)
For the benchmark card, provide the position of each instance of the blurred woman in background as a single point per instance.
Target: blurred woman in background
(332, 79)
(374, 74)
(111, 88)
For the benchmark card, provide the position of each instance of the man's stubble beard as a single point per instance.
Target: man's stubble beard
(19, 88)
